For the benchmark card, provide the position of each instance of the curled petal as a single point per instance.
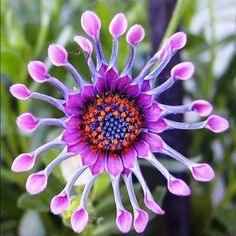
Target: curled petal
(36, 183)
(140, 221)
(23, 162)
(118, 25)
(182, 71)
(177, 41)
(178, 187)
(124, 221)
(90, 23)
(202, 172)
(85, 44)
(202, 107)
(135, 34)
(59, 203)
(217, 124)
(57, 55)
(27, 122)
(79, 220)
(38, 71)
(153, 206)
(20, 91)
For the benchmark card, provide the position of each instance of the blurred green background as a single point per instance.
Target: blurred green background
(28, 27)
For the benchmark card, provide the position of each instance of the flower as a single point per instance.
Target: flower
(112, 122)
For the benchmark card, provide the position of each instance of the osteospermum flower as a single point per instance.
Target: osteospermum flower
(112, 122)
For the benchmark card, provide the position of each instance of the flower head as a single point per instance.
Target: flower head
(112, 122)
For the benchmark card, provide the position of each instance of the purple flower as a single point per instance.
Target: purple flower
(113, 121)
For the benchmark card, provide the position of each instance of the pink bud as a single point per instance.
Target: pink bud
(59, 203)
(217, 124)
(124, 221)
(57, 55)
(177, 41)
(90, 23)
(178, 187)
(36, 182)
(118, 25)
(202, 172)
(79, 220)
(135, 34)
(27, 122)
(85, 44)
(38, 71)
(182, 71)
(20, 91)
(202, 107)
(23, 162)
(140, 221)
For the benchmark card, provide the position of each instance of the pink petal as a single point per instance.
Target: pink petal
(178, 187)
(140, 221)
(129, 157)
(156, 126)
(142, 148)
(78, 148)
(153, 206)
(124, 221)
(155, 142)
(135, 34)
(57, 55)
(85, 44)
(20, 91)
(202, 107)
(90, 23)
(27, 122)
(177, 40)
(38, 71)
(88, 157)
(114, 165)
(23, 162)
(71, 136)
(79, 220)
(202, 172)
(59, 203)
(217, 124)
(182, 71)
(118, 25)
(99, 165)
(36, 183)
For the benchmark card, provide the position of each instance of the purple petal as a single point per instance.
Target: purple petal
(129, 157)
(78, 147)
(27, 122)
(133, 90)
(111, 78)
(38, 71)
(88, 92)
(177, 40)
(182, 71)
(60, 203)
(57, 55)
(202, 172)
(23, 162)
(135, 34)
(123, 82)
(202, 107)
(155, 142)
(79, 220)
(140, 221)
(153, 206)
(85, 44)
(88, 157)
(156, 126)
(217, 124)
(71, 136)
(99, 165)
(142, 149)
(152, 113)
(146, 86)
(114, 165)
(73, 122)
(90, 23)
(145, 100)
(100, 85)
(74, 104)
(124, 221)
(36, 183)
(178, 187)
(20, 91)
(118, 25)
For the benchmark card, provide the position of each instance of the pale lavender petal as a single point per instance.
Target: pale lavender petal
(36, 182)
(57, 55)
(85, 44)
(155, 142)
(99, 165)
(38, 71)
(118, 25)
(135, 34)
(20, 91)
(60, 203)
(79, 220)
(88, 157)
(177, 40)
(202, 172)
(23, 162)
(124, 221)
(178, 187)
(202, 107)
(217, 124)
(182, 71)
(27, 122)
(129, 157)
(114, 165)
(140, 221)
(142, 149)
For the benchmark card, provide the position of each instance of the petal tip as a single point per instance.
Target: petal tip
(20, 91)
(135, 34)
(38, 71)
(217, 124)
(79, 220)
(57, 55)
(203, 172)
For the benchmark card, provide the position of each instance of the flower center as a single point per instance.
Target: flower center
(112, 122)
